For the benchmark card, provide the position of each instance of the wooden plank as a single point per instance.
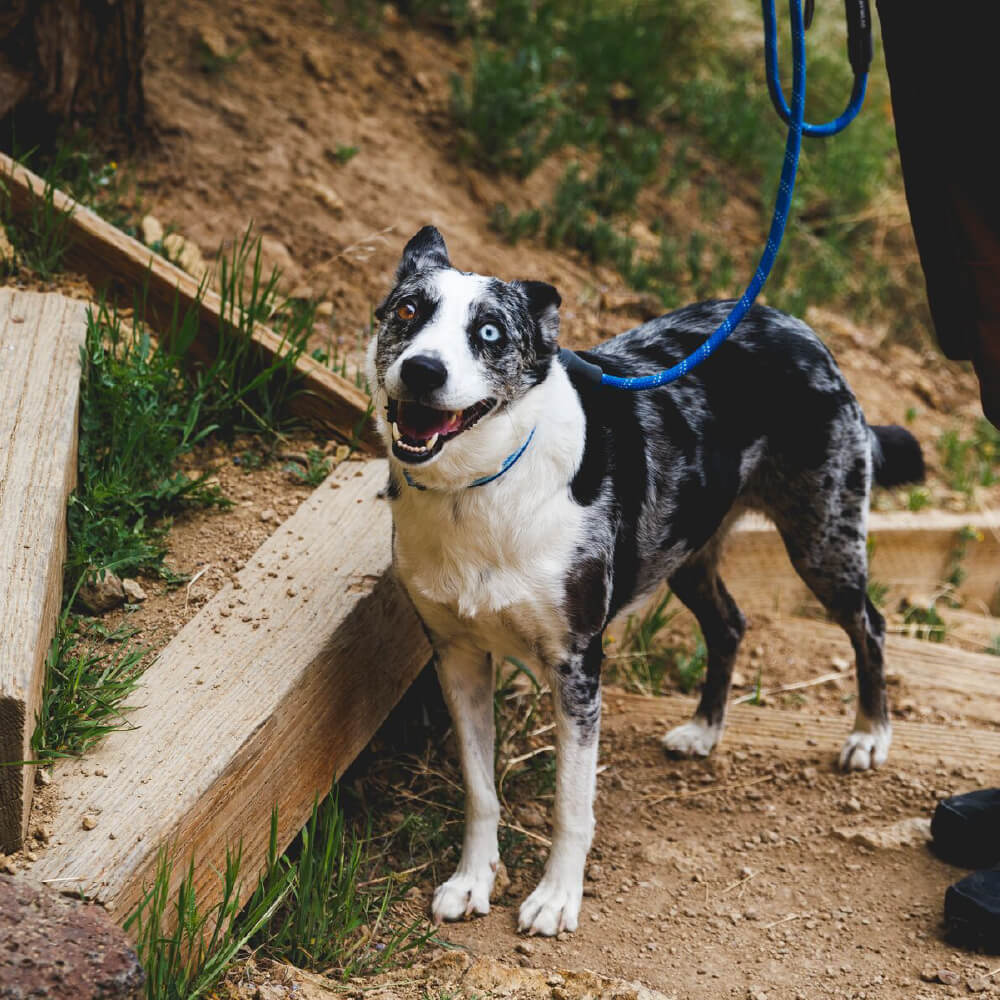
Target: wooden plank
(40, 341)
(106, 255)
(913, 553)
(262, 700)
(807, 733)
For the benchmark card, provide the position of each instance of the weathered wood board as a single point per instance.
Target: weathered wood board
(262, 700)
(40, 341)
(107, 256)
(807, 733)
(912, 552)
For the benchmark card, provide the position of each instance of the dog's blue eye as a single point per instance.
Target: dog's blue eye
(490, 333)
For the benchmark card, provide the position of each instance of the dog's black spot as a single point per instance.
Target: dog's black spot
(614, 450)
(392, 490)
(586, 597)
(855, 479)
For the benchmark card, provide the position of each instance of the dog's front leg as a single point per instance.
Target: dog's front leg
(466, 676)
(554, 906)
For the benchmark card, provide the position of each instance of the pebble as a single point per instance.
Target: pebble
(839, 663)
(43, 777)
(133, 591)
(268, 515)
(89, 822)
(977, 984)
(948, 978)
(524, 948)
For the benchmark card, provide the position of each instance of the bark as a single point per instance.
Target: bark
(70, 62)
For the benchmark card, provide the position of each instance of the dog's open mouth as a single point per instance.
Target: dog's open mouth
(419, 432)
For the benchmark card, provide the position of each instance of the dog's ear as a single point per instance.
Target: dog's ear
(543, 303)
(426, 249)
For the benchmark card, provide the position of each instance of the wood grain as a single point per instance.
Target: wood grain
(111, 259)
(806, 733)
(40, 341)
(262, 700)
(912, 552)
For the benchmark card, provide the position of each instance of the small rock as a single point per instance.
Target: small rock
(152, 230)
(43, 833)
(185, 254)
(524, 948)
(89, 822)
(43, 777)
(8, 255)
(327, 196)
(977, 984)
(324, 309)
(501, 882)
(268, 515)
(101, 592)
(318, 62)
(948, 978)
(214, 41)
(755, 994)
(595, 872)
(913, 832)
(839, 663)
(133, 591)
(9, 867)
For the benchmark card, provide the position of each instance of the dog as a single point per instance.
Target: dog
(530, 506)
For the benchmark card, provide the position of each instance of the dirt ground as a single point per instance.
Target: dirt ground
(725, 878)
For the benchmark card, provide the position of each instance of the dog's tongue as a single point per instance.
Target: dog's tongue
(421, 422)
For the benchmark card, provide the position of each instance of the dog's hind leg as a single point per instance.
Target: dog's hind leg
(827, 548)
(699, 586)
(466, 676)
(554, 906)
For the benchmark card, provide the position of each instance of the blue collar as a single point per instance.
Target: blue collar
(482, 481)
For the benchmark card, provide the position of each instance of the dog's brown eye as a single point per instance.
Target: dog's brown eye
(406, 310)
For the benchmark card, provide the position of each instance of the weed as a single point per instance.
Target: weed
(925, 623)
(993, 648)
(213, 63)
(185, 951)
(43, 240)
(89, 674)
(316, 469)
(877, 591)
(918, 498)
(138, 419)
(973, 461)
(956, 573)
(344, 154)
(328, 919)
(690, 667)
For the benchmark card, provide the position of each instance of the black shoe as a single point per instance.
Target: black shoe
(972, 911)
(966, 829)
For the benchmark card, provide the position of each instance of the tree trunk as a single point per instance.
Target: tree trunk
(70, 62)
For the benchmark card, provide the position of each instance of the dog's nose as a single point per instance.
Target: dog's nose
(423, 373)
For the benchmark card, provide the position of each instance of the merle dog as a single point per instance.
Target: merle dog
(530, 507)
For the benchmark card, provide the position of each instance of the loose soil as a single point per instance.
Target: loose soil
(722, 878)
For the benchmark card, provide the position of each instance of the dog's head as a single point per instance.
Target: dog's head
(452, 353)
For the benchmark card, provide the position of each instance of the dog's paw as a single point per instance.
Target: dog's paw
(866, 747)
(553, 907)
(463, 895)
(696, 738)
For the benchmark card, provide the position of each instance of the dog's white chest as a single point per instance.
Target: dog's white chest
(488, 565)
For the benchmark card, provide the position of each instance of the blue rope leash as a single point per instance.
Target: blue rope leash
(859, 52)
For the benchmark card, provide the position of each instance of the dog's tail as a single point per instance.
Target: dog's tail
(897, 456)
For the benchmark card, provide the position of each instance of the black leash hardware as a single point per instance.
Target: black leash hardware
(859, 35)
(572, 362)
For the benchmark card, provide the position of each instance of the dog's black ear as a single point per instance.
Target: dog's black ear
(543, 303)
(426, 249)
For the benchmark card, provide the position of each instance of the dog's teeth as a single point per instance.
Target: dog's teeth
(396, 435)
(430, 442)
